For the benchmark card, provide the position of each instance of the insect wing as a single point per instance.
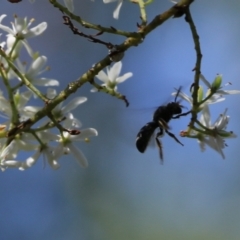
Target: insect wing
(144, 136)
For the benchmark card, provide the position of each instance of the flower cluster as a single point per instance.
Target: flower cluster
(17, 112)
(208, 133)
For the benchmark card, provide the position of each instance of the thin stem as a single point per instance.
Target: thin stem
(142, 12)
(91, 25)
(197, 67)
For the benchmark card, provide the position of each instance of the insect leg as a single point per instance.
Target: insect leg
(159, 144)
(180, 115)
(173, 136)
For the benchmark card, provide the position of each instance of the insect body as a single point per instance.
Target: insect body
(160, 120)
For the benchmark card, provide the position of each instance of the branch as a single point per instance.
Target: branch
(91, 25)
(197, 67)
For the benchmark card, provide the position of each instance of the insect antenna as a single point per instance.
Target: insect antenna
(178, 91)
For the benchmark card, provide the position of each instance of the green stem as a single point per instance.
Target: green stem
(197, 67)
(142, 12)
(14, 110)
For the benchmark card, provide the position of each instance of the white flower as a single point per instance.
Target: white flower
(217, 94)
(66, 145)
(117, 9)
(60, 112)
(20, 29)
(112, 78)
(5, 152)
(7, 157)
(219, 90)
(36, 68)
(69, 5)
(48, 153)
(215, 139)
(212, 100)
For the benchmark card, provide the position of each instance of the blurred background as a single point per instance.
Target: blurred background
(124, 194)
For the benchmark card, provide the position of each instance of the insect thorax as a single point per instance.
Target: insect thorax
(166, 112)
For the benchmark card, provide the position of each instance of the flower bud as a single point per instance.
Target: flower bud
(217, 83)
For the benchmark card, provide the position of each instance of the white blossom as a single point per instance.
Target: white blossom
(66, 145)
(21, 30)
(112, 78)
(215, 139)
(212, 100)
(219, 90)
(36, 68)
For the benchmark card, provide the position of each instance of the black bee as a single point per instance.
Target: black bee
(160, 120)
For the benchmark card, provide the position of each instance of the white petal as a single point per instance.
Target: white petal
(115, 71)
(36, 66)
(206, 116)
(79, 156)
(19, 24)
(73, 104)
(213, 143)
(31, 109)
(184, 96)
(54, 164)
(51, 93)
(7, 150)
(222, 121)
(227, 92)
(213, 100)
(24, 98)
(59, 151)
(28, 48)
(202, 144)
(93, 90)
(207, 83)
(51, 158)
(102, 76)
(12, 164)
(69, 5)
(47, 82)
(124, 77)
(71, 122)
(33, 159)
(85, 133)
(7, 29)
(117, 10)
(109, 1)
(2, 17)
(39, 29)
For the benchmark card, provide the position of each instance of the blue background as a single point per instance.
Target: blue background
(124, 194)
